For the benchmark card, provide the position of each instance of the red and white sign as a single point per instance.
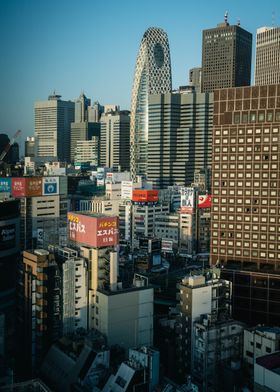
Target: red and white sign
(204, 201)
(26, 186)
(144, 195)
(94, 231)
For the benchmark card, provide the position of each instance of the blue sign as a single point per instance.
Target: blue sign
(50, 188)
(5, 184)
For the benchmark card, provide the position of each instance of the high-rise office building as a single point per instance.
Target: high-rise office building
(245, 187)
(180, 135)
(82, 132)
(267, 70)
(226, 57)
(152, 76)
(195, 79)
(52, 128)
(81, 108)
(39, 307)
(29, 147)
(114, 139)
(94, 112)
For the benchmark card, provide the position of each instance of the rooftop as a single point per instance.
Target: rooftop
(270, 362)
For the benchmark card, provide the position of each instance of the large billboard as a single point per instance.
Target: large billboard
(144, 195)
(91, 230)
(187, 197)
(50, 186)
(5, 184)
(26, 186)
(204, 201)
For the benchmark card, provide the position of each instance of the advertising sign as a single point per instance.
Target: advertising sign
(26, 186)
(126, 192)
(204, 201)
(50, 185)
(95, 231)
(186, 210)
(5, 184)
(167, 246)
(187, 197)
(144, 195)
(7, 237)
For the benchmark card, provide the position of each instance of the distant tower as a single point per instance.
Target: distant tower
(267, 70)
(152, 76)
(226, 57)
(52, 128)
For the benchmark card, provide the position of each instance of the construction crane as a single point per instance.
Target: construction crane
(8, 146)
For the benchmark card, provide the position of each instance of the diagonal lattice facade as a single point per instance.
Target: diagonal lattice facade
(152, 76)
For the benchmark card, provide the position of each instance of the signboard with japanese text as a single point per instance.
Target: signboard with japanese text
(95, 231)
(204, 201)
(144, 195)
(5, 184)
(26, 186)
(187, 197)
(50, 185)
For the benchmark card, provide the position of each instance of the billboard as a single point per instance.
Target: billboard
(144, 195)
(26, 186)
(50, 186)
(126, 192)
(204, 201)
(187, 197)
(5, 184)
(7, 237)
(186, 210)
(93, 230)
(167, 246)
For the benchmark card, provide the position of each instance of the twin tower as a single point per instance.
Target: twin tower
(152, 76)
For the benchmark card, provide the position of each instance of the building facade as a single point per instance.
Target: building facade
(180, 137)
(114, 139)
(152, 76)
(267, 69)
(52, 128)
(226, 57)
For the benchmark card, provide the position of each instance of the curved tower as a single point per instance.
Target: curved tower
(152, 76)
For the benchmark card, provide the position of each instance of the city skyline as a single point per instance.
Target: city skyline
(88, 48)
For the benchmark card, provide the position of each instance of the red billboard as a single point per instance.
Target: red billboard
(144, 195)
(93, 230)
(204, 201)
(26, 186)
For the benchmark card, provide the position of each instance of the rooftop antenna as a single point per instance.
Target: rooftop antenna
(273, 18)
(238, 21)
(226, 17)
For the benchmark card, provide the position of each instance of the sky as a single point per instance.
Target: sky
(72, 46)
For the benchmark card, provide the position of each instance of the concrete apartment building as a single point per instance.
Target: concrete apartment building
(245, 187)
(267, 68)
(226, 57)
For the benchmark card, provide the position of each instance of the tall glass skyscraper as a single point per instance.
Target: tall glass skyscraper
(152, 76)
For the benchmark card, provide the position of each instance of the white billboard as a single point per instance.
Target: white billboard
(187, 197)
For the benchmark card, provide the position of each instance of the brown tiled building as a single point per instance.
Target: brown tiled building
(246, 188)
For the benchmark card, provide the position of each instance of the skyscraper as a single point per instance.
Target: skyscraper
(114, 139)
(226, 57)
(180, 127)
(152, 76)
(267, 69)
(245, 203)
(52, 128)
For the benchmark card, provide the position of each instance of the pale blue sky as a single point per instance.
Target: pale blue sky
(92, 46)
